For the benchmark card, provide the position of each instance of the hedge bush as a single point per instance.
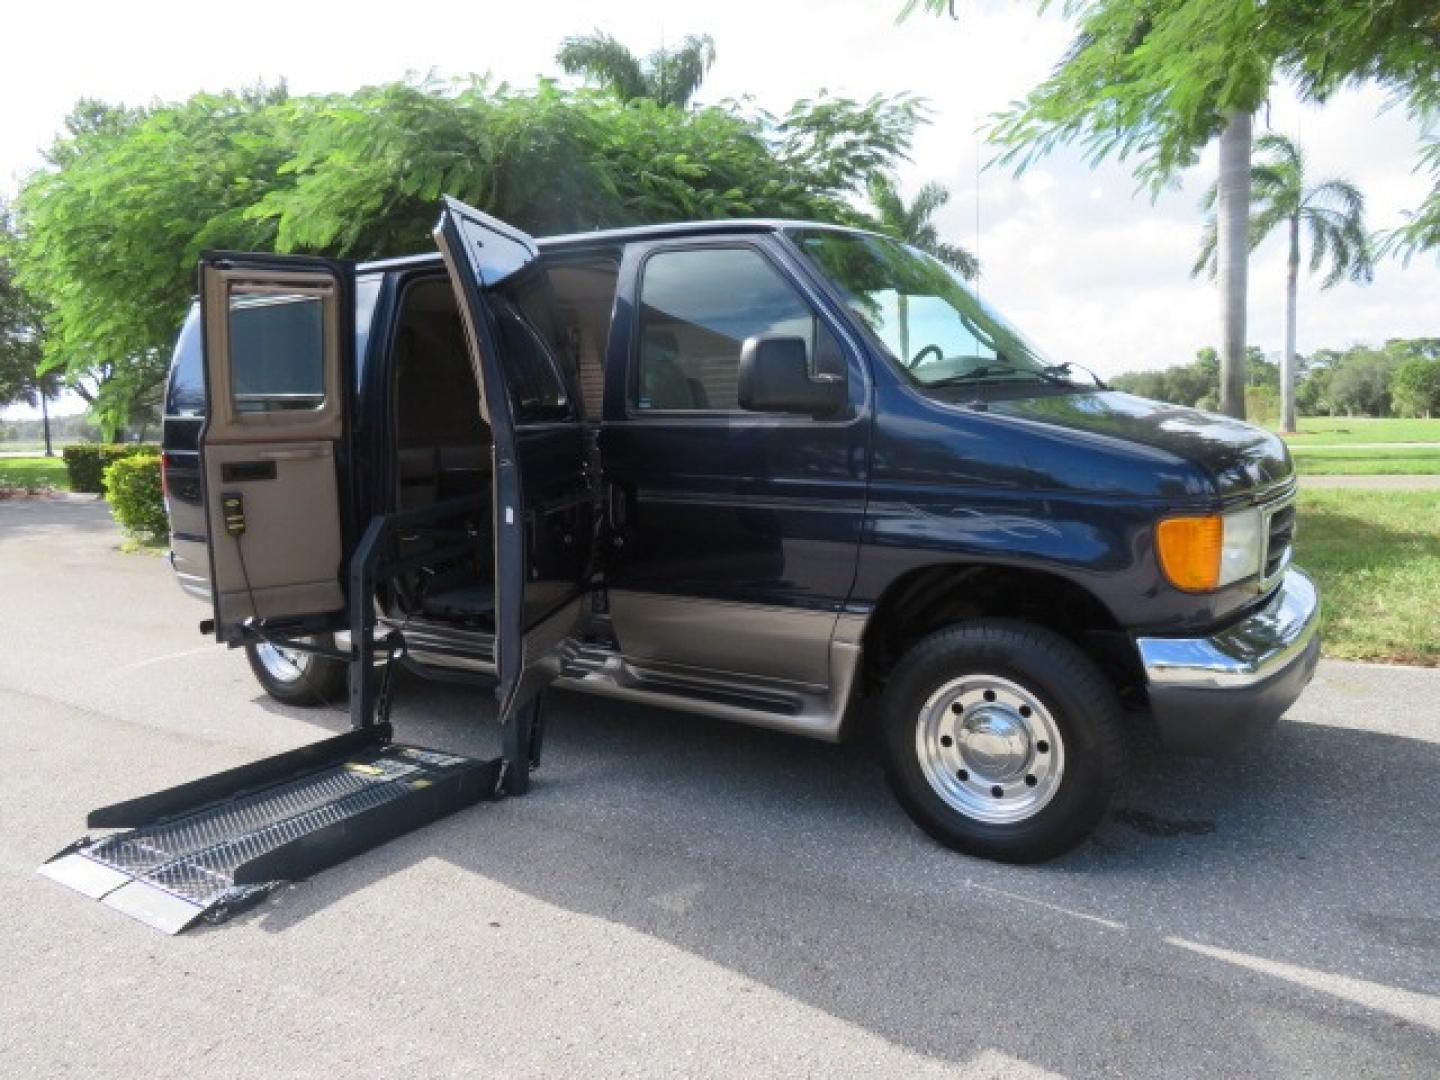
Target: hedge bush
(86, 462)
(136, 496)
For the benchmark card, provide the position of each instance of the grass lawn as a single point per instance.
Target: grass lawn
(1412, 460)
(33, 472)
(1338, 430)
(1376, 558)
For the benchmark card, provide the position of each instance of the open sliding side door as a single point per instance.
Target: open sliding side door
(544, 493)
(279, 335)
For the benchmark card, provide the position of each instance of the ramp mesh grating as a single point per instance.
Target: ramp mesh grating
(195, 856)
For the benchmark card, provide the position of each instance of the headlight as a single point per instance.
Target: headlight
(1198, 554)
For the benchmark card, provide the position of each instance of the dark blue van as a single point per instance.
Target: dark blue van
(788, 474)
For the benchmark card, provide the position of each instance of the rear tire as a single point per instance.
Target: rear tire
(1002, 740)
(299, 678)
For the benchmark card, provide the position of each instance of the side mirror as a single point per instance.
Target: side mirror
(775, 377)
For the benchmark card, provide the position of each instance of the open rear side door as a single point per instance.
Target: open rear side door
(279, 337)
(544, 494)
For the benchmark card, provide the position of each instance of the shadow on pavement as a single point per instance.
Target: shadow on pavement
(766, 854)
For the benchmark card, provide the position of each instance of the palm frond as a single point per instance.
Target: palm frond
(674, 77)
(889, 207)
(959, 259)
(1282, 151)
(912, 223)
(1205, 261)
(928, 199)
(1335, 212)
(604, 61)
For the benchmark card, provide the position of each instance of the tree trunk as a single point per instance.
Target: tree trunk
(1232, 221)
(45, 417)
(1287, 361)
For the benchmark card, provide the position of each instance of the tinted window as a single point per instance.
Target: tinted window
(367, 292)
(277, 352)
(697, 308)
(186, 395)
(537, 390)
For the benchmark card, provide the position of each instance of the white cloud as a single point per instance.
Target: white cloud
(1097, 272)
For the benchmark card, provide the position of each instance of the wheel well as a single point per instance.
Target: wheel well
(928, 599)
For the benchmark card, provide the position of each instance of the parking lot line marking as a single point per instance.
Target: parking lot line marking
(162, 659)
(1109, 924)
(1417, 1008)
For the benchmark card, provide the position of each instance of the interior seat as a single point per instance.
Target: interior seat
(664, 384)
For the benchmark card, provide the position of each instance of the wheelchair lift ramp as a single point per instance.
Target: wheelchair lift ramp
(214, 846)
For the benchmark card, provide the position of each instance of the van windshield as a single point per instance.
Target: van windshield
(936, 331)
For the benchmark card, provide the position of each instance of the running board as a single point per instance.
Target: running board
(214, 846)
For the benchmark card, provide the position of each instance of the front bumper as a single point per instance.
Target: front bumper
(1212, 695)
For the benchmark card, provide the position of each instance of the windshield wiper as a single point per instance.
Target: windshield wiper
(1008, 371)
(1063, 369)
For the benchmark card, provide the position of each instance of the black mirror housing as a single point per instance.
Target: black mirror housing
(775, 376)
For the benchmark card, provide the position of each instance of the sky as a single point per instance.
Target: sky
(1093, 270)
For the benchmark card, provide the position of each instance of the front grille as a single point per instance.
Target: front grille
(1279, 538)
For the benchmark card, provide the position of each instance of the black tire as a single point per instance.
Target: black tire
(1071, 695)
(306, 679)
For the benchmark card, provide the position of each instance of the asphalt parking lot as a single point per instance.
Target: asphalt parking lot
(680, 896)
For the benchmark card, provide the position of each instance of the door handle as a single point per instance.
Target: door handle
(298, 453)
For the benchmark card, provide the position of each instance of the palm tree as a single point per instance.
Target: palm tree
(913, 225)
(670, 77)
(1332, 212)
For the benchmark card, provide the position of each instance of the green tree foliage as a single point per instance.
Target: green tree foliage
(1401, 377)
(913, 222)
(20, 332)
(1421, 229)
(1197, 384)
(666, 76)
(1360, 382)
(1155, 79)
(111, 229)
(1415, 387)
(109, 233)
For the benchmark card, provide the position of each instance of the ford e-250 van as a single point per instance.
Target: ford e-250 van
(781, 473)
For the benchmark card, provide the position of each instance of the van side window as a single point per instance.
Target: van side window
(537, 388)
(185, 395)
(697, 307)
(277, 351)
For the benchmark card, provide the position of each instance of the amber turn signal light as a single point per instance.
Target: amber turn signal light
(1189, 549)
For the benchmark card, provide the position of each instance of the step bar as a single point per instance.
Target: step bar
(214, 846)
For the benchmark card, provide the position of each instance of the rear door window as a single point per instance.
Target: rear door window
(277, 352)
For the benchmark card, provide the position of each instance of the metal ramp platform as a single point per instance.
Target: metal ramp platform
(214, 846)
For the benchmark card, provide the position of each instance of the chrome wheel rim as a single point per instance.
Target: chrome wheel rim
(990, 749)
(281, 664)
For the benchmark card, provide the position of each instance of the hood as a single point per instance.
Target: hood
(1238, 456)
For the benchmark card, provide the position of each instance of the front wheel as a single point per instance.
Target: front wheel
(298, 678)
(1002, 740)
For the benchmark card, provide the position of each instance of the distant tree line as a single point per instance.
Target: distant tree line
(1398, 378)
(63, 429)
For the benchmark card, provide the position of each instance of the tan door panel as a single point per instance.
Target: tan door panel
(291, 545)
(278, 354)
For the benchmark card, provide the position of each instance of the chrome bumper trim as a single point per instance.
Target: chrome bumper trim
(1255, 648)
